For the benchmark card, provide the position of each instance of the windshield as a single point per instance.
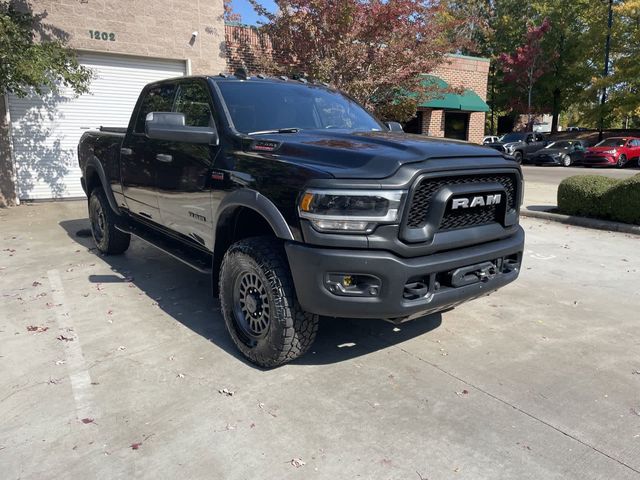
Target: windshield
(560, 145)
(512, 137)
(263, 106)
(612, 142)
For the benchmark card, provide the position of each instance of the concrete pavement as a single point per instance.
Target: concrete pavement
(121, 373)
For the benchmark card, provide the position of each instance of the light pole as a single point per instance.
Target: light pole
(607, 46)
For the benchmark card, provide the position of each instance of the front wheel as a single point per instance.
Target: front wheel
(622, 160)
(108, 238)
(259, 304)
(566, 161)
(518, 157)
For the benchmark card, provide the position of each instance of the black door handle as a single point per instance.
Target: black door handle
(161, 157)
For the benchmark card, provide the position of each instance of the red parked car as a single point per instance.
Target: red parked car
(614, 151)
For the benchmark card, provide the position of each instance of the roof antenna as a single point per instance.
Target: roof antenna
(241, 73)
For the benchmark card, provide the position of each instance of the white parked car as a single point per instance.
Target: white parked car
(490, 139)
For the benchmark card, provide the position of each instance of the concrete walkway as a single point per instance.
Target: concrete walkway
(115, 368)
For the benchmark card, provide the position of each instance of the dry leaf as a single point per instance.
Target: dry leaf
(297, 462)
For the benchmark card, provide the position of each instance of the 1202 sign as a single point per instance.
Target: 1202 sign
(106, 36)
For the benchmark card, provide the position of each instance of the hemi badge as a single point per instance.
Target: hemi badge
(265, 146)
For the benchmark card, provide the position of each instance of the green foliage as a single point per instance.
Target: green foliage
(623, 200)
(33, 55)
(601, 197)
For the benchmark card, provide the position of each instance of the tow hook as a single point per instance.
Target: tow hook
(482, 272)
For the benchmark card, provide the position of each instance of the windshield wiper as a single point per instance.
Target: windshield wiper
(277, 130)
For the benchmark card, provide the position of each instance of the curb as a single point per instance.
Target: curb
(582, 221)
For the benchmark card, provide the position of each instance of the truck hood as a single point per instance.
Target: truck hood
(371, 155)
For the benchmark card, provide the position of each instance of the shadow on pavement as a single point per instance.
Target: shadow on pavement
(186, 295)
(541, 208)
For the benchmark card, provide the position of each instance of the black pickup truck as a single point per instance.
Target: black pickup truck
(299, 203)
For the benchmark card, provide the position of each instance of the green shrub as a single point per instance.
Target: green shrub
(624, 200)
(583, 195)
(601, 197)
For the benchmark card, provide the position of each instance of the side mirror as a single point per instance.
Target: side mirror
(394, 127)
(171, 127)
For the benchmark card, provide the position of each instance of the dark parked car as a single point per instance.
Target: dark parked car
(520, 145)
(561, 152)
(299, 203)
(613, 152)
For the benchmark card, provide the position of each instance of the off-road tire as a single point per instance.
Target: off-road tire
(108, 239)
(290, 330)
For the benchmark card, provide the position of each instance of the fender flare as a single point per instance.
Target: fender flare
(255, 201)
(94, 163)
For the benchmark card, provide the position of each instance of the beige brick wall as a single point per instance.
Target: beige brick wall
(150, 28)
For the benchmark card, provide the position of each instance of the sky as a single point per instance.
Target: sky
(244, 8)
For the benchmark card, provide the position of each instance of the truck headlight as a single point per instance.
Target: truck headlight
(357, 211)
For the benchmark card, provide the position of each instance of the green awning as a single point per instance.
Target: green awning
(467, 101)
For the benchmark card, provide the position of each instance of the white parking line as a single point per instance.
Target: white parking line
(76, 365)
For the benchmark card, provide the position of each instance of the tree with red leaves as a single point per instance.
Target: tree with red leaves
(527, 64)
(374, 50)
(229, 14)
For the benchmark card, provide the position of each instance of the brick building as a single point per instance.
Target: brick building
(455, 116)
(458, 116)
(127, 43)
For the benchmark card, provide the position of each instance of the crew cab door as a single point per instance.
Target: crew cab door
(183, 169)
(137, 155)
(534, 143)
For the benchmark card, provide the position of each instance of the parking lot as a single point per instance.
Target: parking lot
(120, 367)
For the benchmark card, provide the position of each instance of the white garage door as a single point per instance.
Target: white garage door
(46, 130)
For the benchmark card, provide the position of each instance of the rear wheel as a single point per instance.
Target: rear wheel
(622, 160)
(259, 305)
(518, 157)
(108, 238)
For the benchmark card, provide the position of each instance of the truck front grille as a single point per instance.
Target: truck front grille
(428, 187)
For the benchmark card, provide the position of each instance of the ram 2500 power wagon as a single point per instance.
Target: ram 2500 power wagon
(300, 204)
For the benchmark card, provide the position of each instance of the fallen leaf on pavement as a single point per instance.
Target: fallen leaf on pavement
(60, 362)
(36, 284)
(463, 392)
(87, 420)
(64, 339)
(136, 446)
(122, 347)
(226, 392)
(297, 462)
(37, 329)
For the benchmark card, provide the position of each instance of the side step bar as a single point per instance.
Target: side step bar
(194, 257)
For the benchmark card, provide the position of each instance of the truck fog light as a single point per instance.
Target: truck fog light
(351, 285)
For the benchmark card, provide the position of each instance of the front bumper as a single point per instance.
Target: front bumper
(599, 160)
(311, 266)
(545, 159)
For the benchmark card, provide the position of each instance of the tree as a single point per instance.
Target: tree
(526, 65)
(375, 50)
(34, 55)
(229, 15)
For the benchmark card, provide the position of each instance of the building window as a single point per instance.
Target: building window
(456, 125)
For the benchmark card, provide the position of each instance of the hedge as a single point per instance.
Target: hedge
(601, 197)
